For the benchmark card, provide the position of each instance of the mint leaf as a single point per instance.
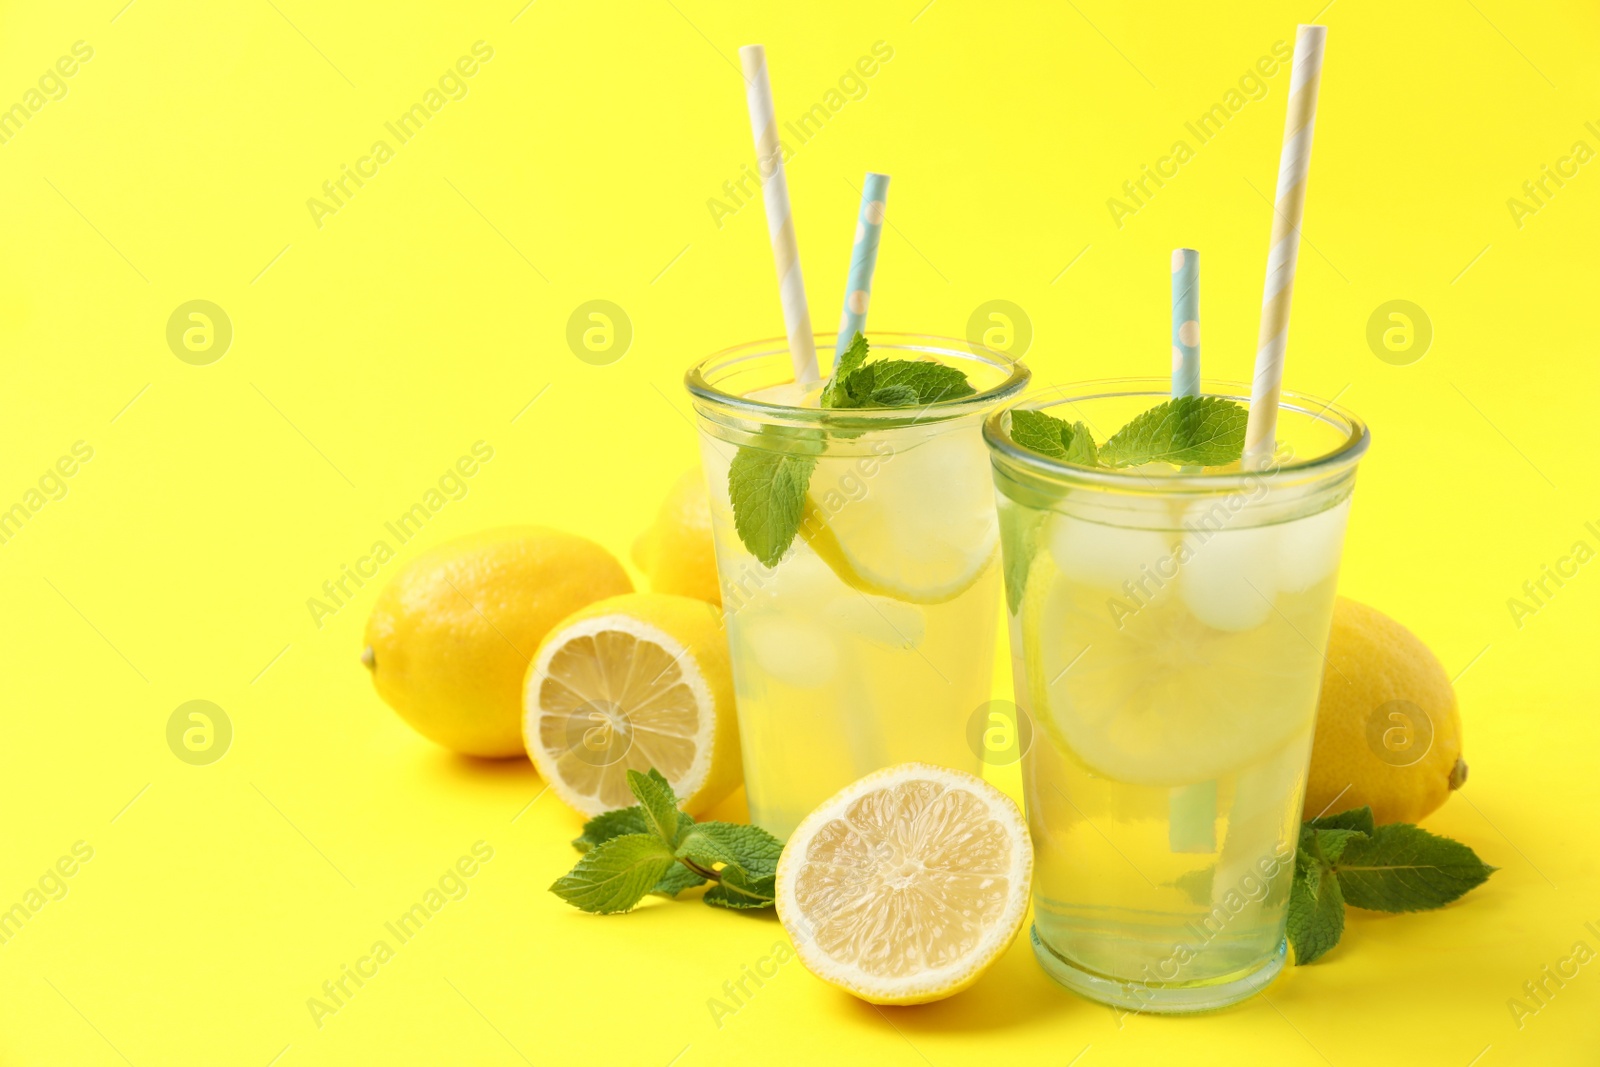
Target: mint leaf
(605, 826)
(915, 382)
(1040, 432)
(659, 804)
(1326, 846)
(705, 851)
(614, 876)
(676, 880)
(848, 364)
(742, 892)
(1202, 431)
(750, 881)
(1316, 912)
(1047, 435)
(653, 847)
(1354, 819)
(1081, 449)
(767, 488)
(1405, 868)
(1019, 532)
(893, 396)
(890, 383)
(754, 850)
(1346, 859)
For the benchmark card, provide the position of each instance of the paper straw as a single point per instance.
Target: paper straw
(1191, 809)
(780, 225)
(863, 260)
(1185, 322)
(1288, 211)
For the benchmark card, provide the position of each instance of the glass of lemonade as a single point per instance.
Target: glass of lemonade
(1167, 630)
(871, 640)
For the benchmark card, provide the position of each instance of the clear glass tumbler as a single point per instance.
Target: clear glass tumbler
(1168, 629)
(870, 640)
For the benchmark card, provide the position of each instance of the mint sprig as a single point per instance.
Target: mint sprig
(767, 480)
(1200, 431)
(1197, 431)
(890, 383)
(1346, 859)
(653, 847)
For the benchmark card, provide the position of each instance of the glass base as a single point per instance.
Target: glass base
(1159, 998)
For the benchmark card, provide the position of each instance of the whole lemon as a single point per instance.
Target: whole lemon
(677, 552)
(1388, 730)
(452, 634)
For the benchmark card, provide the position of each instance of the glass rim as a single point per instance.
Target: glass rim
(1017, 377)
(1341, 458)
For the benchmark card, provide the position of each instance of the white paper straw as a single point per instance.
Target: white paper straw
(1288, 211)
(780, 225)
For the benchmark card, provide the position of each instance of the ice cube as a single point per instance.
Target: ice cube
(1230, 577)
(1308, 548)
(791, 650)
(1105, 556)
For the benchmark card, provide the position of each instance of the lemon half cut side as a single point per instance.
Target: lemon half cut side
(631, 683)
(906, 886)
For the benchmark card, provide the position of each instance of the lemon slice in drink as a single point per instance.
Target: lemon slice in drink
(630, 683)
(907, 885)
(1147, 693)
(917, 524)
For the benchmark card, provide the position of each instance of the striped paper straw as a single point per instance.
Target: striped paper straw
(1185, 322)
(780, 225)
(863, 261)
(1288, 211)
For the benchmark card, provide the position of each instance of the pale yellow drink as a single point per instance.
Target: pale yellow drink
(1168, 629)
(871, 641)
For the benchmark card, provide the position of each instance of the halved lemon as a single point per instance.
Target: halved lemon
(917, 523)
(631, 683)
(907, 885)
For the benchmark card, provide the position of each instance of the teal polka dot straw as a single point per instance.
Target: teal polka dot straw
(863, 260)
(1185, 322)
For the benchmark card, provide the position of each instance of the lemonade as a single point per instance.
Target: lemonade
(1168, 627)
(870, 642)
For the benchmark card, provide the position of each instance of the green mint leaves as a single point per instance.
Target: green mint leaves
(1345, 859)
(890, 383)
(1053, 437)
(848, 365)
(1190, 431)
(1201, 431)
(768, 479)
(616, 875)
(653, 847)
(768, 492)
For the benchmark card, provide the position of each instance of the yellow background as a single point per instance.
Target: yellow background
(370, 353)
